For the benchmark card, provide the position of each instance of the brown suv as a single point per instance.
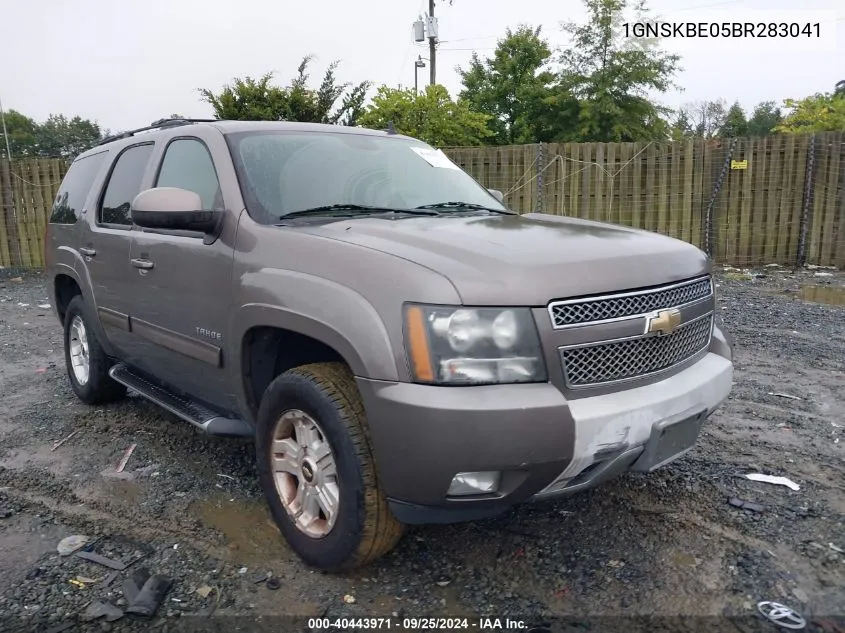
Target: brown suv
(403, 348)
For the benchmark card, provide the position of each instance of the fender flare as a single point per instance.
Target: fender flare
(86, 290)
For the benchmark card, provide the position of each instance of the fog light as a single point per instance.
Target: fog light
(480, 483)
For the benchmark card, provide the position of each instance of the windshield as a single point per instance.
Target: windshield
(284, 172)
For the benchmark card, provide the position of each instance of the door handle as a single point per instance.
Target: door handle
(142, 263)
(88, 252)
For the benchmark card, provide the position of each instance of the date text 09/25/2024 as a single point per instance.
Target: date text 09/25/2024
(416, 624)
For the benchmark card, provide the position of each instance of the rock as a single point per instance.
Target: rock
(70, 544)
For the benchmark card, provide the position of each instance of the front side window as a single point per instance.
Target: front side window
(283, 172)
(188, 165)
(124, 184)
(74, 189)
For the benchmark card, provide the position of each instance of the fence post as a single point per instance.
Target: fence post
(809, 186)
(709, 225)
(540, 170)
(7, 213)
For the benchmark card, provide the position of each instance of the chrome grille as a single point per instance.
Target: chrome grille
(613, 361)
(590, 310)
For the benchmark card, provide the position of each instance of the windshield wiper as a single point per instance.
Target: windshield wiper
(464, 205)
(352, 209)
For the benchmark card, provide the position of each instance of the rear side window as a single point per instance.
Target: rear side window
(124, 184)
(74, 189)
(188, 165)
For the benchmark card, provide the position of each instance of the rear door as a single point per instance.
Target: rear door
(106, 241)
(77, 194)
(181, 284)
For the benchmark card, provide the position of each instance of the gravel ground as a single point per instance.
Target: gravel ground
(667, 544)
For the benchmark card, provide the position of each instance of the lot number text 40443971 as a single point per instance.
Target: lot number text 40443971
(417, 624)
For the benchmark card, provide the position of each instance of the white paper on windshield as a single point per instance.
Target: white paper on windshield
(435, 157)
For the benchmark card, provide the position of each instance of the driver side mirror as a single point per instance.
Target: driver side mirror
(172, 208)
(497, 194)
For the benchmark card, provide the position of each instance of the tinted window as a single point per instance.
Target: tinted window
(74, 189)
(124, 184)
(281, 172)
(188, 165)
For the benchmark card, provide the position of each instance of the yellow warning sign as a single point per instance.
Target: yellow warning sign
(739, 164)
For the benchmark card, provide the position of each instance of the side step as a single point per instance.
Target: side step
(203, 418)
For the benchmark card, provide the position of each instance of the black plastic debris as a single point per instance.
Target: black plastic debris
(152, 594)
(97, 610)
(746, 505)
(110, 578)
(273, 583)
(132, 586)
(102, 560)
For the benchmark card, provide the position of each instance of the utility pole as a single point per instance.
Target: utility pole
(5, 133)
(432, 42)
(428, 26)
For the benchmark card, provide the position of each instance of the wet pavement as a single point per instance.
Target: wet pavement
(670, 543)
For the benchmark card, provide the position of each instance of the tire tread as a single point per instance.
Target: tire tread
(381, 530)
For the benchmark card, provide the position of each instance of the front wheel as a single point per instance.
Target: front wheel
(317, 469)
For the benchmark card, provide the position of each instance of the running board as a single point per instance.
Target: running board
(205, 419)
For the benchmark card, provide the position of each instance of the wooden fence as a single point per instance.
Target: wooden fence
(747, 201)
(27, 191)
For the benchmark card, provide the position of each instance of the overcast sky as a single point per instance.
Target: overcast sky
(125, 63)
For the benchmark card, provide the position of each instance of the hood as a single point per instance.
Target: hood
(525, 260)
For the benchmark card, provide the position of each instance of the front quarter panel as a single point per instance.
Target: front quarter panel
(347, 296)
(319, 308)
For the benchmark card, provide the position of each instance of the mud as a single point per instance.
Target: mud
(664, 544)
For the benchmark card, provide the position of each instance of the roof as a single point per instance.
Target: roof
(230, 127)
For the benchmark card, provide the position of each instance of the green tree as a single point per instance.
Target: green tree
(249, 99)
(700, 119)
(764, 119)
(23, 135)
(735, 123)
(821, 112)
(431, 116)
(519, 91)
(682, 126)
(61, 137)
(612, 75)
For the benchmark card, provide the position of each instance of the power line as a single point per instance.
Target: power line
(492, 48)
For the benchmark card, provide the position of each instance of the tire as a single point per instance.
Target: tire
(98, 387)
(363, 528)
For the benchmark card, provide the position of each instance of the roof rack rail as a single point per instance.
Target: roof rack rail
(155, 125)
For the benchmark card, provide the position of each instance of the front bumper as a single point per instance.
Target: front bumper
(544, 445)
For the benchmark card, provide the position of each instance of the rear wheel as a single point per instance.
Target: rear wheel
(86, 361)
(317, 469)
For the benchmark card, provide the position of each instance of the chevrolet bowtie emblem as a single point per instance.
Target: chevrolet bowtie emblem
(663, 322)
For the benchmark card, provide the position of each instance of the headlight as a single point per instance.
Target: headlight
(475, 346)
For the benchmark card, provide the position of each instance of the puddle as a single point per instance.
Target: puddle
(251, 535)
(830, 295)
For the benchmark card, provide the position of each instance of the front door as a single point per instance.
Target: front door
(106, 241)
(181, 288)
